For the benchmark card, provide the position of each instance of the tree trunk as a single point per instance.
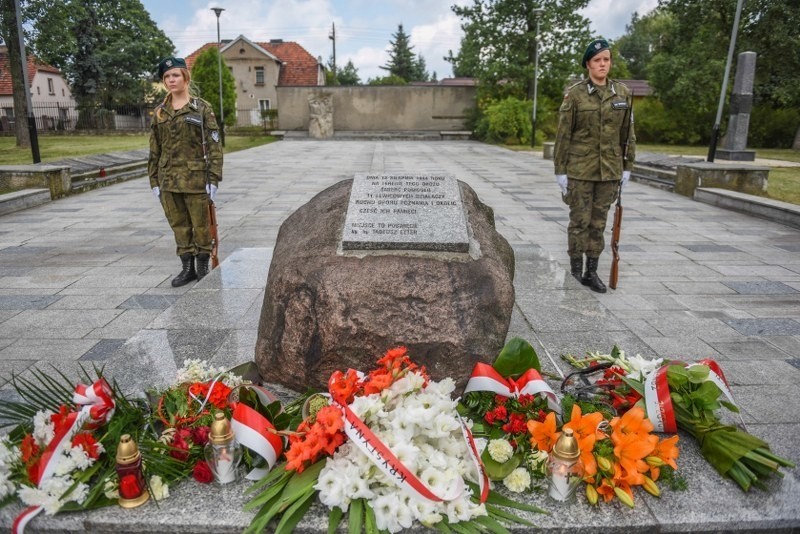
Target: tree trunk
(8, 25)
(796, 144)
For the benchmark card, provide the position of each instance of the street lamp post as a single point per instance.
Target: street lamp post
(217, 11)
(536, 12)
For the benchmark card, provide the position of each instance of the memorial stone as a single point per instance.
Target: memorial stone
(734, 143)
(440, 282)
(405, 212)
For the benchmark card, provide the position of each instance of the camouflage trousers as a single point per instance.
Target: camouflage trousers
(588, 203)
(187, 214)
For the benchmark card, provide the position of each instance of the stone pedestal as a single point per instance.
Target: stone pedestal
(749, 179)
(328, 309)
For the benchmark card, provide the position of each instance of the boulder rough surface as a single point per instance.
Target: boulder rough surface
(324, 310)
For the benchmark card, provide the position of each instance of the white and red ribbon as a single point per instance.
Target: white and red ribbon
(256, 432)
(384, 459)
(96, 404)
(659, 403)
(484, 377)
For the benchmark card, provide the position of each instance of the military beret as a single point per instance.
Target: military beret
(594, 48)
(169, 63)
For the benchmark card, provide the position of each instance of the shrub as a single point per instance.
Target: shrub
(506, 121)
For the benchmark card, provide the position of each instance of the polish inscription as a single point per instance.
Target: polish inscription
(405, 212)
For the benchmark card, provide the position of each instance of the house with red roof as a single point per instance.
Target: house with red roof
(51, 97)
(259, 68)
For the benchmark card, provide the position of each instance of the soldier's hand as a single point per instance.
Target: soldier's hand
(561, 179)
(156, 192)
(626, 175)
(211, 189)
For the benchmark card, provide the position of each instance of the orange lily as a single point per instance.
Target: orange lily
(586, 432)
(634, 421)
(544, 435)
(631, 449)
(667, 450)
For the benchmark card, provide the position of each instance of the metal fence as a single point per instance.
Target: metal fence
(54, 118)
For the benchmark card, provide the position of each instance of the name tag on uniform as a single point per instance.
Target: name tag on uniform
(194, 120)
(620, 105)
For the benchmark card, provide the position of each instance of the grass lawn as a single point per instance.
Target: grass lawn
(784, 182)
(55, 147)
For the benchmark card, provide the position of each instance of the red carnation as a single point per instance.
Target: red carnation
(202, 472)
(200, 435)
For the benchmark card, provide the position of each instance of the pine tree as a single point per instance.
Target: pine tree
(402, 61)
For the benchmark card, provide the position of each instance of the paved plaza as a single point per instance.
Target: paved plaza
(86, 280)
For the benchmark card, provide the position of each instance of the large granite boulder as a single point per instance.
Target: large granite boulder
(326, 310)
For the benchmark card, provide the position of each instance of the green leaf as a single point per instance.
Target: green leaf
(496, 470)
(508, 516)
(498, 499)
(698, 373)
(370, 524)
(295, 513)
(355, 517)
(493, 525)
(334, 519)
(516, 357)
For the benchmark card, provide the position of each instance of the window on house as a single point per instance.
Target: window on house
(259, 75)
(38, 90)
(264, 105)
(62, 92)
(50, 88)
(8, 112)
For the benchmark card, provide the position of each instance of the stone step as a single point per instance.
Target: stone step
(20, 200)
(765, 208)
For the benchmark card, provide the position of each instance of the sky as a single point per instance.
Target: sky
(364, 28)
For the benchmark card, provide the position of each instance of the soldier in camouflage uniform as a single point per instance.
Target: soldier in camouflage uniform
(177, 167)
(594, 153)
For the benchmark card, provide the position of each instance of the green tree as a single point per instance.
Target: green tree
(498, 46)
(8, 30)
(392, 79)
(690, 48)
(107, 50)
(205, 78)
(348, 75)
(403, 62)
(643, 37)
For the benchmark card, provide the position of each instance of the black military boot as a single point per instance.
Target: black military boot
(590, 277)
(187, 274)
(202, 265)
(576, 267)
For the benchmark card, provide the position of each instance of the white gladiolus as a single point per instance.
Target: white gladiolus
(641, 367)
(43, 428)
(421, 427)
(50, 494)
(500, 450)
(518, 480)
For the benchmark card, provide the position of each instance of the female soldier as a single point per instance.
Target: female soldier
(593, 155)
(184, 140)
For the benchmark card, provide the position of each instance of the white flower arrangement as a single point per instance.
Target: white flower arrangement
(195, 370)
(420, 425)
(9, 455)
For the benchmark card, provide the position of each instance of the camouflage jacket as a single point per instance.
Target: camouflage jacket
(176, 150)
(594, 127)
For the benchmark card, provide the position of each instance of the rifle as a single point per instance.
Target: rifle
(613, 277)
(615, 232)
(212, 209)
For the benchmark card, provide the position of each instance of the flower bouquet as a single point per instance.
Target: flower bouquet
(688, 397)
(616, 453)
(60, 452)
(183, 414)
(388, 449)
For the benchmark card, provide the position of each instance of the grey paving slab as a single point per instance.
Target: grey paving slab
(102, 350)
(761, 288)
(765, 327)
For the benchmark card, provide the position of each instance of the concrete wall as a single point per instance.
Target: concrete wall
(381, 108)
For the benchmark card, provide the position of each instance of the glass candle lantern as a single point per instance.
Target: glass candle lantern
(564, 467)
(132, 489)
(222, 451)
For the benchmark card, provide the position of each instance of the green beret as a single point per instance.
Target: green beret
(169, 63)
(594, 48)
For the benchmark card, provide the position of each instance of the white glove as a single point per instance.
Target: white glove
(626, 175)
(211, 189)
(156, 192)
(561, 179)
